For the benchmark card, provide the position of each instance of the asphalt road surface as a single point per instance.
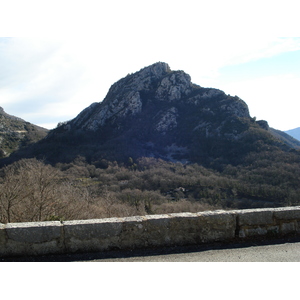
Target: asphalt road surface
(283, 250)
(287, 252)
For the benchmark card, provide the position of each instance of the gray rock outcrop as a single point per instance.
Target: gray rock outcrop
(154, 111)
(130, 95)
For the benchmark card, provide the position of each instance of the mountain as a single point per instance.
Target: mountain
(16, 133)
(158, 112)
(295, 133)
(286, 138)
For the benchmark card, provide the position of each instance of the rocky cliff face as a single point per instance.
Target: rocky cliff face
(168, 90)
(160, 113)
(15, 133)
(123, 98)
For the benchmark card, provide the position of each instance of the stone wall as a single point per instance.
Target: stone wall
(40, 238)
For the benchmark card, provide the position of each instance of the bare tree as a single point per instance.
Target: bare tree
(33, 191)
(11, 194)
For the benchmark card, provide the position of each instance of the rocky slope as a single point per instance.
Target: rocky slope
(16, 133)
(167, 90)
(160, 113)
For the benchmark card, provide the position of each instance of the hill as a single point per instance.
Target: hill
(157, 143)
(157, 112)
(16, 133)
(295, 133)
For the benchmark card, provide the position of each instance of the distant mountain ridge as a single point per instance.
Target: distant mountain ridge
(158, 112)
(295, 133)
(16, 133)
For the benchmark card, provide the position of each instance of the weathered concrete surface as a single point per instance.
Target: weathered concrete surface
(2, 236)
(91, 235)
(287, 213)
(157, 229)
(255, 217)
(35, 232)
(217, 225)
(268, 222)
(39, 238)
(31, 238)
(133, 234)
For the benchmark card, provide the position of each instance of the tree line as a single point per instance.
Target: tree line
(32, 190)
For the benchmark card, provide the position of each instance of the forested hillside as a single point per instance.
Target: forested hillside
(156, 144)
(31, 190)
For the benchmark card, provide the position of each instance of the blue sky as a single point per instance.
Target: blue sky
(63, 56)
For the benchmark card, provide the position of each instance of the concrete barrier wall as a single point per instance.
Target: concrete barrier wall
(40, 238)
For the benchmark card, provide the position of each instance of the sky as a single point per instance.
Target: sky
(58, 57)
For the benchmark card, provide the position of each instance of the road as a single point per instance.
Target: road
(287, 252)
(284, 250)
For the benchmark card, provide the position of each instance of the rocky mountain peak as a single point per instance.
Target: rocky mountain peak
(157, 70)
(174, 86)
(141, 80)
(157, 83)
(123, 98)
(159, 112)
